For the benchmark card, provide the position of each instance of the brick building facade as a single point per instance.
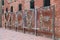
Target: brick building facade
(17, 5)
(25, 5)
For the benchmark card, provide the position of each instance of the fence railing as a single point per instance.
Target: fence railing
(39, 21)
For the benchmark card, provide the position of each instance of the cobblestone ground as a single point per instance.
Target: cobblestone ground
(6, 34)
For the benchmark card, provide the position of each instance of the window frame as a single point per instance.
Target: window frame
(46, 3)
(19, 7)
(11, 9)
(2, 2)
(32, 6)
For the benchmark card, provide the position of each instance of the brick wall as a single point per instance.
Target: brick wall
(38, 3)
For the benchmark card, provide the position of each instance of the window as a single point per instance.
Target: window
(32, 4)
(46, 2)
(11, 8)
(6, 9)
(20, 7)
(2, 2)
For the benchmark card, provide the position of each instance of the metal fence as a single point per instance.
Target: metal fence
(39, 21)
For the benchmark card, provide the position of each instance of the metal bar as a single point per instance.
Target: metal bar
(35, 21)
(24, 15)
(53, 22)
(41, 16)
(23, 22)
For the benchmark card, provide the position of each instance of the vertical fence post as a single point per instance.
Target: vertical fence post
(41, 17)
(23, 20)
(10, 21)
(5, 18)
(35, 21)
(24, 15)
(53, 22)
(16, 25)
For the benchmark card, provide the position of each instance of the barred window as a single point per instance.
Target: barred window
(2, 2)
(46, 2)
(20, 7)
(11, 8)
(32, 4)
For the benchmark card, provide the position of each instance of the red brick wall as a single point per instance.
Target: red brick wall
(38, 3)
(25, 4)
